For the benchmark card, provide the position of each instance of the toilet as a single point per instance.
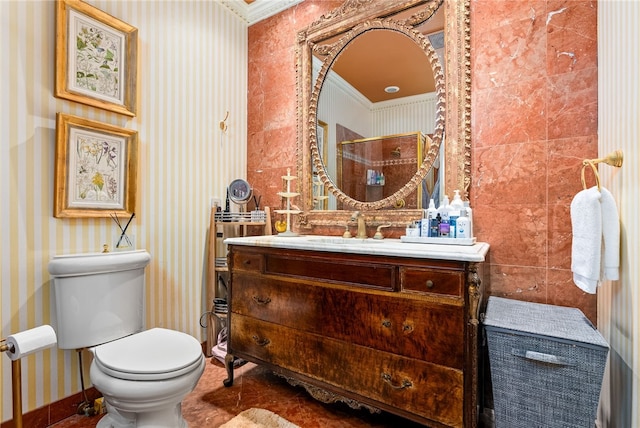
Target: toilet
(143, 375)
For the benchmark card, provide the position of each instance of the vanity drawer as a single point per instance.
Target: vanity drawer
(408, 384)
(353, 270)
(247, 261)
(410, 326)
(432, 281)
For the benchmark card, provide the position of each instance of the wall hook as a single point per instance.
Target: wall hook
(223, 123)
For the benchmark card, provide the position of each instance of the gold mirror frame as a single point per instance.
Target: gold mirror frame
(352, 16)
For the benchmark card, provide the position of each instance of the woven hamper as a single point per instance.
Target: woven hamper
(547, 364)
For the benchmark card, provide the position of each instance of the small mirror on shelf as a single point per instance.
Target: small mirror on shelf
(239, 192)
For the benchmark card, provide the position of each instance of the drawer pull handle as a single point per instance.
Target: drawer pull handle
(406, 383)
(542, 357)
(429, 283)
(247, 262)
(261, 342)
(261, 300)
(386, 323)
(407, 328)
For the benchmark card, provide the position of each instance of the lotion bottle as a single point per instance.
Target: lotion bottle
(463, 225)
(469, 211)
(431, 214)
(444, 208)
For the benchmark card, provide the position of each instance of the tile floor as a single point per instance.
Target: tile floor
(211, 404)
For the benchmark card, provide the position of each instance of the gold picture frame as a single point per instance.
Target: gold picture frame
(95, 169)
(96, 58)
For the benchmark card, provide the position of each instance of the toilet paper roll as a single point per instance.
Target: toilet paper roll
(29, 341)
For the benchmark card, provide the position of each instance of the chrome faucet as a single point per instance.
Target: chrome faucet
(362, 227)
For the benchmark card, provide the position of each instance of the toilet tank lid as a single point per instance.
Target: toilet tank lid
(157, 351)
(95, 263)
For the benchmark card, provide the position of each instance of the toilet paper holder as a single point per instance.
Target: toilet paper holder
(5, 347)
(16, 385)
(16, 374)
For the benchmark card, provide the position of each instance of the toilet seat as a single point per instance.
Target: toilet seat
(155, 354)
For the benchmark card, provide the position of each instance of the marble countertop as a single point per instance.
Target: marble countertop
(386, 247)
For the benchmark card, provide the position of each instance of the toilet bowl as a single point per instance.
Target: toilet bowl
(142, 374)
(144, 377)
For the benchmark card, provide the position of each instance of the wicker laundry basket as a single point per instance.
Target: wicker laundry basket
(547, 364)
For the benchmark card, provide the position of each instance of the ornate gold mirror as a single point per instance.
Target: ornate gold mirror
(329, 39)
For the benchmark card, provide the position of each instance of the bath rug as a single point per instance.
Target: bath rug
(258, 418)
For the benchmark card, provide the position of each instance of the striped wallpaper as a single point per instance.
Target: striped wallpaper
(619, 128)
(192, 59)
(192, 70)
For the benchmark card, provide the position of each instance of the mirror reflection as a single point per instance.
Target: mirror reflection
(372, 169)
(379, 86)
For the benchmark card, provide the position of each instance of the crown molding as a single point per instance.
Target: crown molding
(258, 9)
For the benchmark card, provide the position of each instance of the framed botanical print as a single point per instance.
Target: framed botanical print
(95, 168)
(96, 58)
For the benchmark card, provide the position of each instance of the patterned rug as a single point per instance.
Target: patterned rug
(258, 418)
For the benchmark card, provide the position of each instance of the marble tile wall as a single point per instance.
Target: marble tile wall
(534, 119)
(271, 115)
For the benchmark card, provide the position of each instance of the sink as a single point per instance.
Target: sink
(340, 240)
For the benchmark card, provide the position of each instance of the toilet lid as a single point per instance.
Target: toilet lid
(154, 354)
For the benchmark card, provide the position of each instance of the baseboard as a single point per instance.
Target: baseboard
(54, 412)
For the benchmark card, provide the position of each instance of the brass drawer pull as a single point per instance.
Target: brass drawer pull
(386, 323)
(261, 342)
(406, 383)
(261, 300)
(429, 283)
(407, 328)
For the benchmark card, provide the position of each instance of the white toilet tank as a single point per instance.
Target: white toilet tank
(99, 297)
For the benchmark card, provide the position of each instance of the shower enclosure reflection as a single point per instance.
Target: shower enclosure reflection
(371, 169)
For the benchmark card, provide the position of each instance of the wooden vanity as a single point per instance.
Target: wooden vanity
(380, 325)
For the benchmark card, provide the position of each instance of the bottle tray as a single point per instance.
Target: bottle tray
(440, 241)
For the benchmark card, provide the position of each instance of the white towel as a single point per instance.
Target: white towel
(611, 237)
(595, 223)
(586, 248)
